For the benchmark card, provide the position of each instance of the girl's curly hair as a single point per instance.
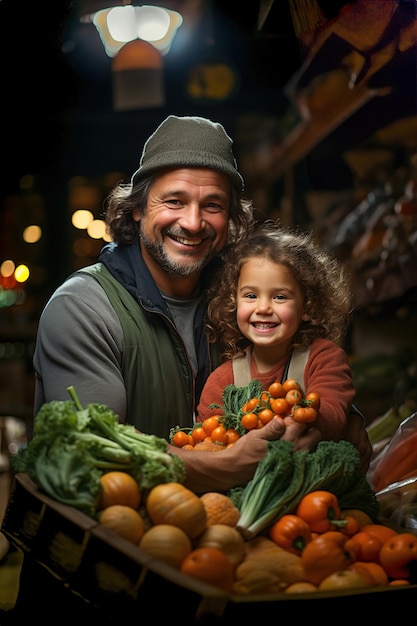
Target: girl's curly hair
(323, 281)
(124, 198)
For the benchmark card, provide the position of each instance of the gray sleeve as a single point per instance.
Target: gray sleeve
(80, 343)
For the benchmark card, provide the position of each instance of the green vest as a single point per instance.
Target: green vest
(155, 368)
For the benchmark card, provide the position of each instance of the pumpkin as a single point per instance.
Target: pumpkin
(225, 538)
(172, 503)
(167, 543)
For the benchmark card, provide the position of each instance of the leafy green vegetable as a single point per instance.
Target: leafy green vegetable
(284, 476)
(234, 398)
(72, 447)
(273, 474)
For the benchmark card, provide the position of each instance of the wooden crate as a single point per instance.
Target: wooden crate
(121, 580)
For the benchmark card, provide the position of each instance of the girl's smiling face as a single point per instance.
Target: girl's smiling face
(270, 305)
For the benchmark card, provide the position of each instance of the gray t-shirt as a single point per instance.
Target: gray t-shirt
(183, 312)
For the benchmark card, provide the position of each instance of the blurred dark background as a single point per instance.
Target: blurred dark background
(320, 98)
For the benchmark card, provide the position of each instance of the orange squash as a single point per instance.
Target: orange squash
(119, 488)
(172, 503)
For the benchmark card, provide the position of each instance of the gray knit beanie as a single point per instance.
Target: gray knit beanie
(189, 142)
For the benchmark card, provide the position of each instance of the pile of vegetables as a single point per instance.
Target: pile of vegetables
(319, 547)
(72, 448)
(306, 522)
(284, 476)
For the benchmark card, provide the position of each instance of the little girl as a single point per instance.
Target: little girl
(278, 291)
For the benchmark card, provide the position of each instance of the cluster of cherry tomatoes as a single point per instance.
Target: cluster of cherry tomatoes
(283, 399)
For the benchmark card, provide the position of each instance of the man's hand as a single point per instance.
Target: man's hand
(303, 436)
(231, 467)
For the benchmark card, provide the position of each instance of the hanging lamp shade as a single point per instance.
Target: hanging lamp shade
(86, 9)
(137, 72)
(124, 22)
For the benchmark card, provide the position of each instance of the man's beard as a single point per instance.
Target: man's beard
(157, 251)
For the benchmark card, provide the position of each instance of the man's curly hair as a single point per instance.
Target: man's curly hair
(323, 281)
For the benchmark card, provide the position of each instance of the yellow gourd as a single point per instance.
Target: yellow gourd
(167, 543)
(225, 538)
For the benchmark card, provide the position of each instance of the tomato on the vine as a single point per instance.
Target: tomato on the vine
(250, 405)
(290, 384)
(198, 434)
(210, 423)
(232, 436)
(265, 397)
(304, 414)
(293, 396)
(313, 399)
(219, 434)
(265, 416)
(249, 421)
(276, 390)
(280, 406)
(180, 439)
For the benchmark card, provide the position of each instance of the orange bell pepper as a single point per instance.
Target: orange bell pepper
(364, 546)
(291, 533)
(321, 511)
(326, 554)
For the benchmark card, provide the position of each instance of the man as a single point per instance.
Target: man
(129, 332)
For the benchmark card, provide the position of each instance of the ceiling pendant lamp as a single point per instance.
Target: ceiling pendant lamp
(136, 37)
(119, 22)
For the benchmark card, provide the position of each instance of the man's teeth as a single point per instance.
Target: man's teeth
(188, 242)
